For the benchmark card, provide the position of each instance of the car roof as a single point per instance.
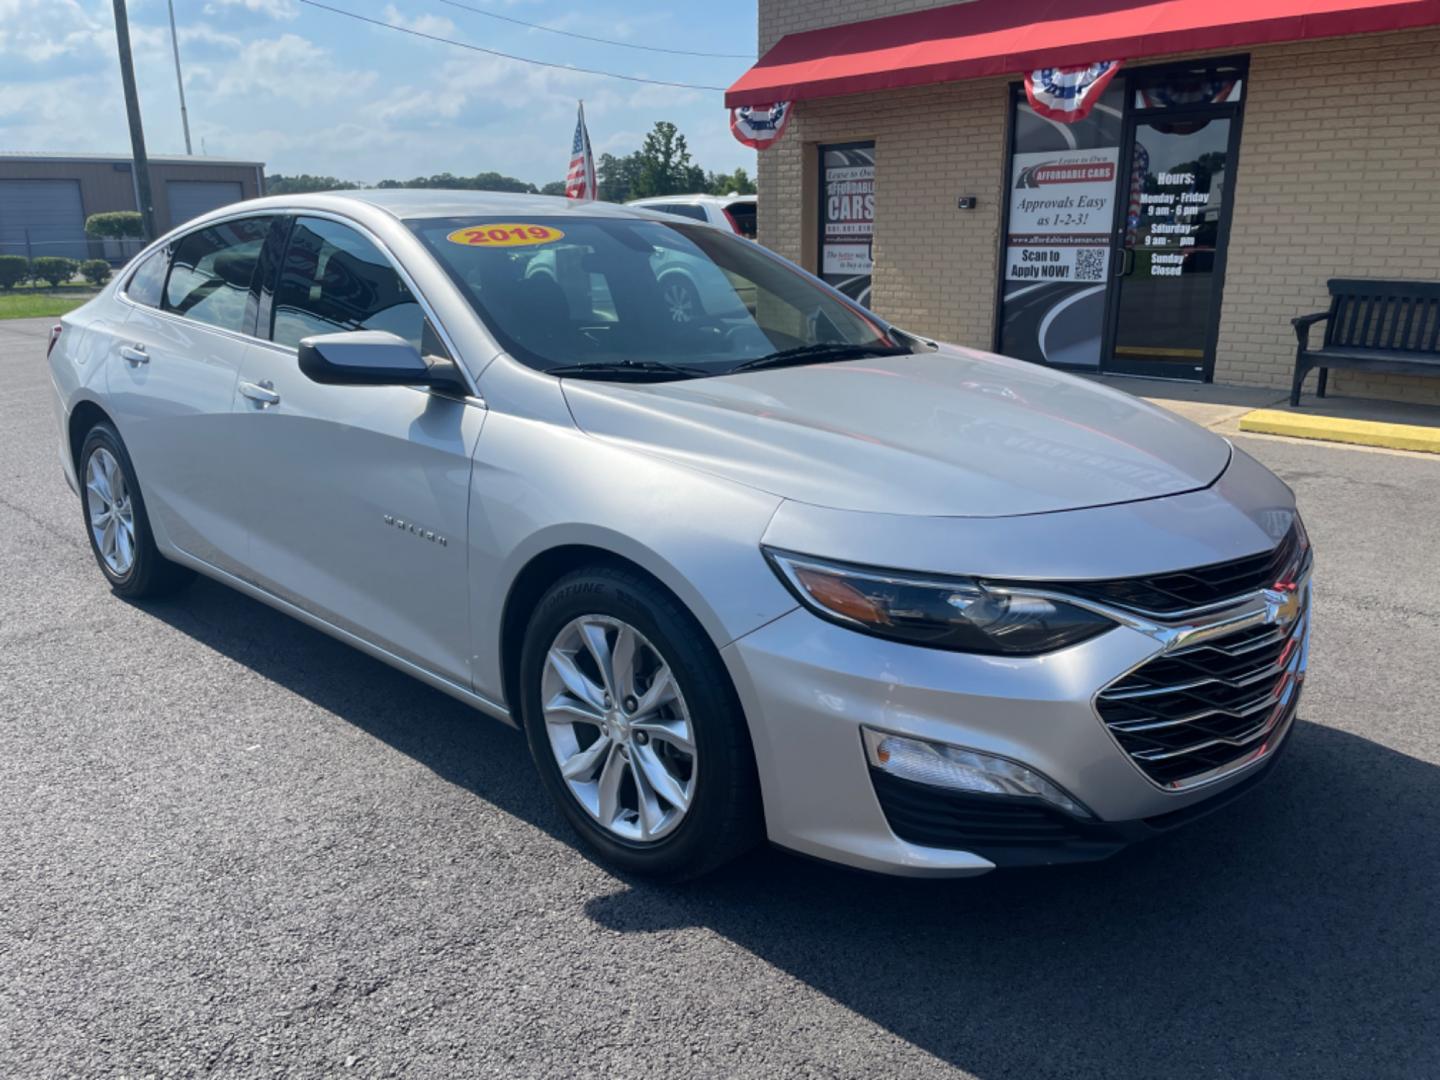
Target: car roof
(405, 203)
(660, 200)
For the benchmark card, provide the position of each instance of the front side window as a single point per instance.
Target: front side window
(333, 279)
(610, 293)
(211, 272)
(147, 284)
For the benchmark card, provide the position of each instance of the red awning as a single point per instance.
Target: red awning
(1007, 37)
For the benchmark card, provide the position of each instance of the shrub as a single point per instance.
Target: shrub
(95, 271)
(13, 270)
(116, 225)
(53, 268)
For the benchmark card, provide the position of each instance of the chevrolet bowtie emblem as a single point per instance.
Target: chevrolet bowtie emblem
(1282, 606)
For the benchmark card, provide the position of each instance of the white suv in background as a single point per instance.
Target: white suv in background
(733, 212)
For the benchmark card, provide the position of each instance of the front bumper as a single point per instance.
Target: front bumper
(808, 687)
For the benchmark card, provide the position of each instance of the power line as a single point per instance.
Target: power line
(598, 40)
(505, 55)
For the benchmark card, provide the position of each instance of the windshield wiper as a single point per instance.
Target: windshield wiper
(817, 353)
(632, 369)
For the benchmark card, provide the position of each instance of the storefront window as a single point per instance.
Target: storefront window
(847, 218)
(1062, 188)
(1202, 85)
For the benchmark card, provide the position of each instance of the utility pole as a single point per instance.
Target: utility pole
(132, 110)
(179, 82)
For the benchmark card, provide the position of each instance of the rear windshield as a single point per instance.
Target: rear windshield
(566, 291)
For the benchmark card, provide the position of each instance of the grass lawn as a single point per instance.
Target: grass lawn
(30, 303)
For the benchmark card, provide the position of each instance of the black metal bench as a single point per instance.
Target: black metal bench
(1372, 325)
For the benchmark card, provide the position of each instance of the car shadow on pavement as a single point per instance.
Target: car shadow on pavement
(1293, 933)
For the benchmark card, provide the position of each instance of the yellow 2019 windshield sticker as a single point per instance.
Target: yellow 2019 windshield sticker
(507, 235)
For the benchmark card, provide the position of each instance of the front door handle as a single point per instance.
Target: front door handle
(135, 354)
(263, 392)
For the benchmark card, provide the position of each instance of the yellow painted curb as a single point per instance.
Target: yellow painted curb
(1338, 429)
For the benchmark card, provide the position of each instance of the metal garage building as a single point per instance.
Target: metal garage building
(45, 198)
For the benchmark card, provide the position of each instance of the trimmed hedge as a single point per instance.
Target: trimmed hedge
(116, 225)
(14, 269)
(55, 269)
(95, 271)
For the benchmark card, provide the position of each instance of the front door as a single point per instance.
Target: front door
(1169, 258)
(1116, 224)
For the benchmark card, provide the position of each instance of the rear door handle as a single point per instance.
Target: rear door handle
(135, 354)
(263, 392)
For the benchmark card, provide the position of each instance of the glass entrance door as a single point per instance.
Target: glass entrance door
(1164, 300)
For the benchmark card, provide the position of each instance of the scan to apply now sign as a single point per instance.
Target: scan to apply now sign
(1061, 208)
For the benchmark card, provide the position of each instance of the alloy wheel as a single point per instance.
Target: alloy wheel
(619, 728)
(112, 515)
(680, 299)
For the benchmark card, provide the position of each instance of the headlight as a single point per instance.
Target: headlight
(939, 613)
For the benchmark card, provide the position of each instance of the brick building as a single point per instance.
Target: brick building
(45, 198)
(1228, 171)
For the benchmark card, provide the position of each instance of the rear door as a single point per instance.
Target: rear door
(357, 497)
(171, 382)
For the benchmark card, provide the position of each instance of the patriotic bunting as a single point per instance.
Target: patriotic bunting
(1068, 94)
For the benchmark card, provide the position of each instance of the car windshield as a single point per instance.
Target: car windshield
(617, 298)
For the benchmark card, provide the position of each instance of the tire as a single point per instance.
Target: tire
(145, 573)
(722, 817)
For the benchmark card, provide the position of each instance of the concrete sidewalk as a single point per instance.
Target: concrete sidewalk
(1231, 410)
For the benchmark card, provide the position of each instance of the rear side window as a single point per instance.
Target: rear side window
(147, 283)
(211, 272)
(743, 214)
(690, 210)
(334, 279)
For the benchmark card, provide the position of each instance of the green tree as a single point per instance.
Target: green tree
(554, 187)
(616, 177)
(486, 181)
(95, 271)
(304, 183)
(736, 183)
(115, 225)
(665, 167)
(56, 269)
(13, 270)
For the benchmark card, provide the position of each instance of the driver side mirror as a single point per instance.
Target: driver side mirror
(374, 358)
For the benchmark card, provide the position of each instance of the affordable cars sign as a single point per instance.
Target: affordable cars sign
(847, 218)
(1061, 208)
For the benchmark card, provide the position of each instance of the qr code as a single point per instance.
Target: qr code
(1090, 264)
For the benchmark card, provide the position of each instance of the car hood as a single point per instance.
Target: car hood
(946, 433)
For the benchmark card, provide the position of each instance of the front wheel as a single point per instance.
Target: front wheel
(635, 728)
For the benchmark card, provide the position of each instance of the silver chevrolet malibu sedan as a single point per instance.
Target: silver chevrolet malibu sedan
(748, 563)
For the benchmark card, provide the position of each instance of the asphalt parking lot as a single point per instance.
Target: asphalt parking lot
(231, 845)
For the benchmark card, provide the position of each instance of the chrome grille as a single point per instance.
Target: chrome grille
(1202, 586)
(1191, 715)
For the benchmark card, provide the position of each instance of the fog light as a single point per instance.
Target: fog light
(961, 770)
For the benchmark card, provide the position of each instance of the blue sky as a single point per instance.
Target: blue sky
(305, 90)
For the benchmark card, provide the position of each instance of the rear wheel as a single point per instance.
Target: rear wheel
(635, 728)
(116, 522)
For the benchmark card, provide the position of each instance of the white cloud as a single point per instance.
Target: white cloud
(290, 67)
(366, 104)
(425, 24)
(275, 9)
(39, 31)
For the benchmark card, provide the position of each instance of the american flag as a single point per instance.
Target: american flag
(580, 181)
